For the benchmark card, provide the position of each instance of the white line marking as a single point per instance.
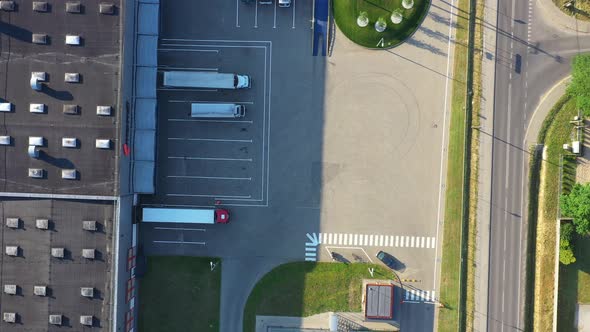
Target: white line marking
(428, 242)
(329, 241)
(412, 242)
(381, 240)
(210, 158)
(386, 244)
(356, 238)
(180, 242)
(371, 240)
(207, 177)
(407, 244)
(256, 16)
(181, 229)
(310, 254)
(345, 239)
(237, 14)
(340, 239)
(274, 25)
(309, 259)
(320, 238)
(396, 241)
(210, 139)
(216, 196)
(391, 241)
(314, 249)
(422, 242)
(209, 101)
(185, 50)
(407, 294)
(212, 121)
(293, 26)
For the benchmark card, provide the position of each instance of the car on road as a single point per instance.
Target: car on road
(391, 262)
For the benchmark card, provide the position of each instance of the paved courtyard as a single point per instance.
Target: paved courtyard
(336, 154)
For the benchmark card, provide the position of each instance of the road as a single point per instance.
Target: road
(545, 53)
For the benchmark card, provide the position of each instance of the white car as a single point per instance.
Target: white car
(284, 3)
(72, 40)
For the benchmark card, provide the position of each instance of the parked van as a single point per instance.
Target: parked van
(206, 110)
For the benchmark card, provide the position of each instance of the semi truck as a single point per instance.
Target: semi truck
(205, 79)
(185, 216)
(207, 110)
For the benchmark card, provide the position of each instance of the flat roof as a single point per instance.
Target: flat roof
(379, 303)
(96, 60)
(64, 278)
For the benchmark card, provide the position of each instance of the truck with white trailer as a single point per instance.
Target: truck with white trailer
(205, 80)
(185, 216)
(221, 110)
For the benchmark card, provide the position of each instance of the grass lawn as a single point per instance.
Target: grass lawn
(347, 11)
(555, 132)
(582, 6)
(574, 285)
(302, 289)
(179, 294)
(448, 319)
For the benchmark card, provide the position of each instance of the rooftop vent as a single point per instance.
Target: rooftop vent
(72, 78)
(39, 38)
(73, 7)
(10, 289)
(36, 173)
(12, 222)
(5, 107)
(87, 292)
(71, 109)
(7, 6)
(5, 140)
(36, 140)
(55, 319)
(37, 108)
(12, 250)
(69, 174)
(40, 6)
(89, 253)
(40, 290)
(89, 225)
(9, 317)
(42, 223)
(103, 143)
(69, 142)
(86, 320)
(58, 252)
(103, 110)
(73, 40)
(106, 8)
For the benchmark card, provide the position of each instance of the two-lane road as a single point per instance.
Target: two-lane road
(531, 56)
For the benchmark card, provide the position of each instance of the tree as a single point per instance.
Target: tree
(579, 87)
(380, 25)
(363, 19)
(396, 16)
(576, 205)
(566, 254)
(408, 4)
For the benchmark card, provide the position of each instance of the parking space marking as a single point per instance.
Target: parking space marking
(209, 101)
(179, 242)
(237, 13)
(210, 139)
(256, 15)
(226, 197)
(377, 240)
(185, 50)
(211, 158)
(274, 25)
(207, 177)
(181, 229)
(293, 26)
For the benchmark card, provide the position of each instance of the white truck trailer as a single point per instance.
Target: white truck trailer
(185, 216)
(205, 80)
(207, 110)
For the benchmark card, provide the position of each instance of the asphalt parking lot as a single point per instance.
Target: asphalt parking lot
(336, 154)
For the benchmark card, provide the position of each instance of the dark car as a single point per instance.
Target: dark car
(391, 262)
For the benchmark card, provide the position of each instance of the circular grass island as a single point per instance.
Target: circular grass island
(379, 24)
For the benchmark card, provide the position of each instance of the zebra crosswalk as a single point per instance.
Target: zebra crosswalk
(418, 295)
(377, 240)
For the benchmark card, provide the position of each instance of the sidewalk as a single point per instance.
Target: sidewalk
(485, 167)
(554, 16)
